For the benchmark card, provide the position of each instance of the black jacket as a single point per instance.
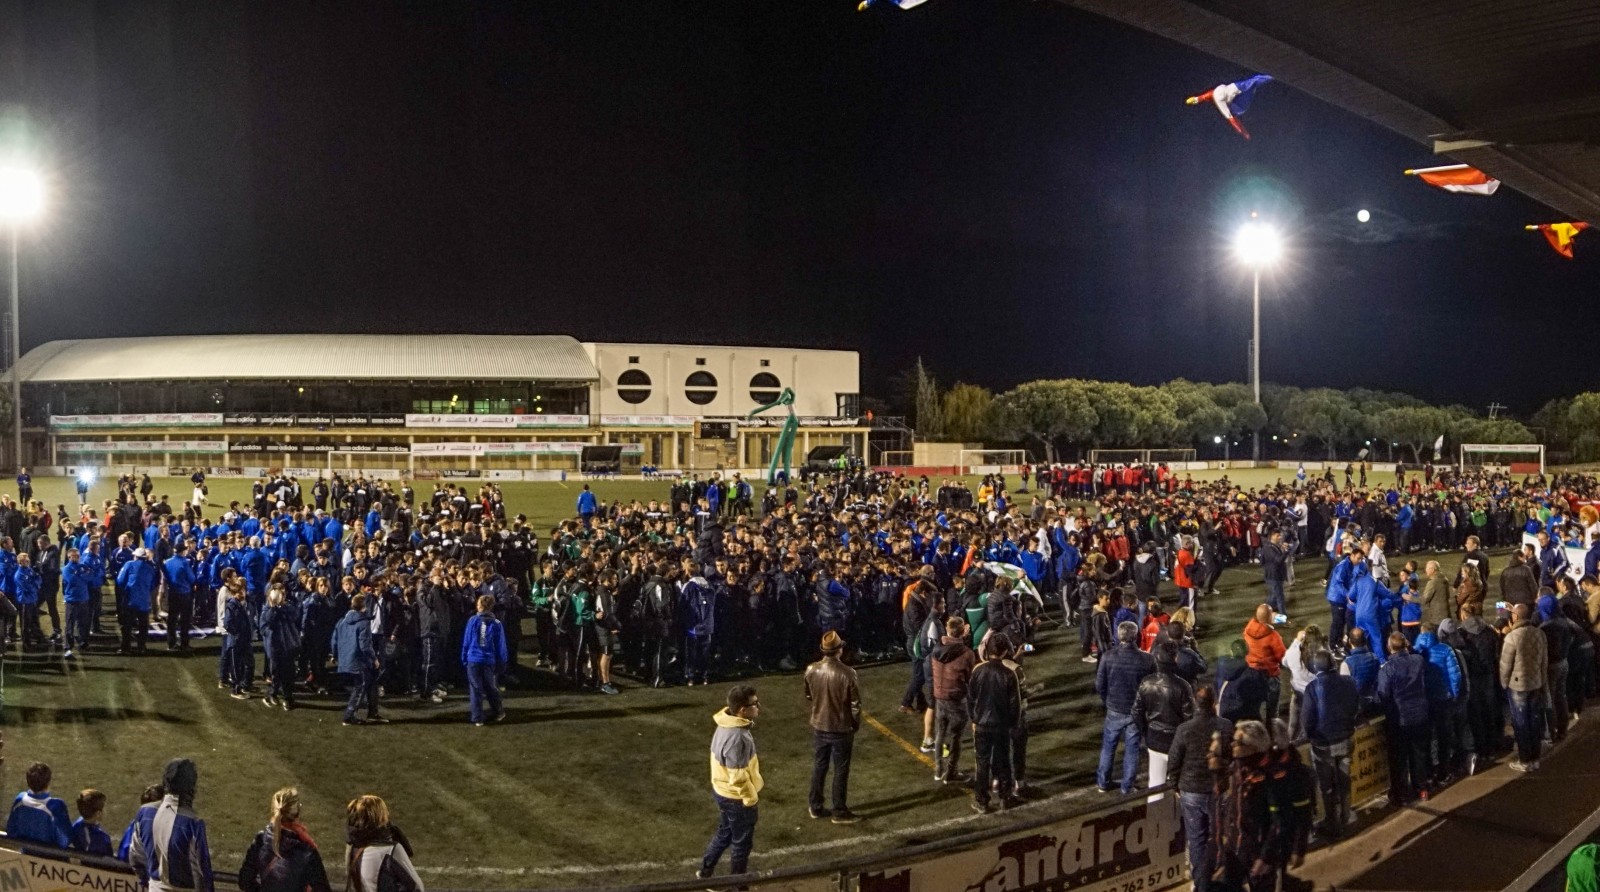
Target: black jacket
(1146, 576)
(994, 698)
(1274, 561)
(1186, 761)
(295, 867)
(1164, 702)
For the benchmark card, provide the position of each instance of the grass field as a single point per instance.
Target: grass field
(574, 789)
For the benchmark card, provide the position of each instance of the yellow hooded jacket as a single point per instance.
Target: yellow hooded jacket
(735, 768)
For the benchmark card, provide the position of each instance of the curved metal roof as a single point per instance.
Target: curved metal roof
(1508, 86)
(311, 357)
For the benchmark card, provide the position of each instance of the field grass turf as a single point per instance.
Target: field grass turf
(574, 789)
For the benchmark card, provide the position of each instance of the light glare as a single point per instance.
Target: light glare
(1258, 244)
(21, 194)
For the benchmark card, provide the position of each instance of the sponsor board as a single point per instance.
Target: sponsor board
(1576, 554)
(124, 447)
(521, 448)
(1137, 845)
(20, 872)
(496, 421)
(150, 419)
(310, 420)
(781, 420)
(647, 420)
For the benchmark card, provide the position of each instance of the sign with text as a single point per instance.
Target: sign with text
(121, 447)
(26, 873)
(496, 422)
(151, 419)
(1138, 844)
(647, 420)
(311, 420)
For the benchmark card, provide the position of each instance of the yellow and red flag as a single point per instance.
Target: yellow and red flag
(1560, 235)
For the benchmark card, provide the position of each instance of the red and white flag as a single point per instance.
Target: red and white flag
(1457, 178)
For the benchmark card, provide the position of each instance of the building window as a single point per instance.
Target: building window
(699, 360)
(765, 387)
(766, 363)
(700, 388)
(633, 386)
(633, 360)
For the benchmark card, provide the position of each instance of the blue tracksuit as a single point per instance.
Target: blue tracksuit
(1374, 607)
(587, 504)
(25, 586)
(42, 819)
(180, 576)
(237, 661)
(91, 839)
(138, 581)
(483, 652)
(173, 836)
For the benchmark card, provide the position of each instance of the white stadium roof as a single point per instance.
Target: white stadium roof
(310, 357)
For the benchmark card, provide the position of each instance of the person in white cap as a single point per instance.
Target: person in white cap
(137, 581)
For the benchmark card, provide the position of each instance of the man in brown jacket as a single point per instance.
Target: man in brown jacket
(835, 697)
(953, 662)
(1522, 673)
(1438, 602)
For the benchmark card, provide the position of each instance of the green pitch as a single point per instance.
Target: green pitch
(574, 789)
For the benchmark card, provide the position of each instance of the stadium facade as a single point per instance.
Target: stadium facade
(424, 403)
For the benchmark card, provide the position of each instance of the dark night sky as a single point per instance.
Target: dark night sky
(1009, 189)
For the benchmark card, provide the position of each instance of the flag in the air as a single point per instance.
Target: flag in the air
(1438, 447)
(1019, 579)
(1457, 178)
(1233, 99)
(903, 4)
(1560, 235)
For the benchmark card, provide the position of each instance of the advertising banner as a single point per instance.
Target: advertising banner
(123, 447)
(496, 422)
(647, 420)
(153, 419)
(776, 421)
(312, 420)
(514, 448)
(1134, 845)
(27, 873)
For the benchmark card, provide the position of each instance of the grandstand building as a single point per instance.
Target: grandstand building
(504, 406)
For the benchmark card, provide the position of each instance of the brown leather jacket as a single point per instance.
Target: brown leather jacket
(835, 696)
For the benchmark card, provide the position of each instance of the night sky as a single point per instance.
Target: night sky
(1008, 189)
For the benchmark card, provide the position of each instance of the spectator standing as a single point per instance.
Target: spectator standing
(378, 855)
(994, 701)
(1518, 582)
(1274, 558)
(1402, 688)
(953, 663)
(484, 654)
(1196, 785)
(735, 782)
(835, 696)
(169, 849)
(1117, 679)
(36, 816)
(284, 857)
(1263, 810)
(1523, 667)
(1163, 702)
(1560, 638)
(358, 662)
(1266, 654)
(1329, 710)
(1360, 665)
(1479, 646)
(88, 836)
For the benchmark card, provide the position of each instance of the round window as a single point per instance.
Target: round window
(700, 388)
(633, 386)
(765, 387)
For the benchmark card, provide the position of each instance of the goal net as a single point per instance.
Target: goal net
(992, 461)
(1139, 456)
(1504, 458)
(1157, 456)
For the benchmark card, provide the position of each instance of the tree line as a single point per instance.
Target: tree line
(1059, 417)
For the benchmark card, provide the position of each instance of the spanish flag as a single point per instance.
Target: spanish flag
(1457, 178)
(1560, 235)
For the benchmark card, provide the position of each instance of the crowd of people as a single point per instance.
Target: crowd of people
(166, 846)
(361, 583)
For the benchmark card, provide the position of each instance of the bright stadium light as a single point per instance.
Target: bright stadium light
(1257, 244)
(21, 194)
(21, 200)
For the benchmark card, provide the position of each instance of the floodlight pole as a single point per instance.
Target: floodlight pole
(1255, 358)
(16, 355)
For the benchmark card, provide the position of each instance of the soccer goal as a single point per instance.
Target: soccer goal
(992, 461)
(1504, 458)
(1139, 456)
(1169, 456)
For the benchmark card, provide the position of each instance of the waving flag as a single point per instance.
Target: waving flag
(1560, 235)
(1457, 178)
(1233, 99)
(1438, 447)
(1017, 576)
(903, 4)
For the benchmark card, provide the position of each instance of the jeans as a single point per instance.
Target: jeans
(1336, 630)
(80, 615)
(363, 690)
(481, 685)
(949, 725)
(916, 696)
(1558, 716)
(1408, 761)
(1197, 831)
(1527, 723)
(1331, 761)
(1119, 727)
(831, 747)
(180, 618)
(993, 748)
(1275, 595)
(736, 828)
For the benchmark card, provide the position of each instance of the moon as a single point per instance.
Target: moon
(1362, 216)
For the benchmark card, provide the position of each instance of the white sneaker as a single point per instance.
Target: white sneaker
(67, 654)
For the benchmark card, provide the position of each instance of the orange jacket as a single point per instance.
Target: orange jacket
(1266, 647)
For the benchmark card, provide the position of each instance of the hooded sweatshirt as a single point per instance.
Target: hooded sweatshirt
(735, 768)
(953, 662)
(1266, 647)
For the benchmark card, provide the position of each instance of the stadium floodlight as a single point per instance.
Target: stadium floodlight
(21, 200)
(1257, 245)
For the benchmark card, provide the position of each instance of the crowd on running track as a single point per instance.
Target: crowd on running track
(361, 584)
